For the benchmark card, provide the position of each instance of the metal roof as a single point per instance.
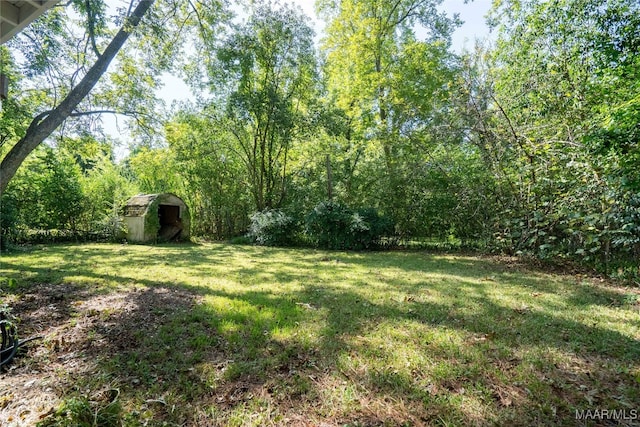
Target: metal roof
(17, 14)
(142, 199)
(139, 204)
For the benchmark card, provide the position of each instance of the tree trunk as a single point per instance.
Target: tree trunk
(44, 124)
(329, 179)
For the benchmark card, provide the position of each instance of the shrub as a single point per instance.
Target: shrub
(8, 218)
(334, 226)
(273, 228)
(241, 240)
(378, 226)
(329, 225)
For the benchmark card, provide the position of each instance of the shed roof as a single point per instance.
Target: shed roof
(138, 205)
(142, 200)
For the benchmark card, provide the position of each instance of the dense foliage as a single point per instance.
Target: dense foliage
(273, 228)
(528, 146)
(331, 225)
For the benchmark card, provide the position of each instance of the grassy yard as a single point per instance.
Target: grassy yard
(217, 334)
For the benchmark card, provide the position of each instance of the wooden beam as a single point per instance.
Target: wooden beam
(29, 12)
(13, 19)
(36, 3)
(9, 13)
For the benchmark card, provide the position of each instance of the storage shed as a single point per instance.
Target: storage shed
(156, 217)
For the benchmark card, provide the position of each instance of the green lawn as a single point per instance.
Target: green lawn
(218, 334)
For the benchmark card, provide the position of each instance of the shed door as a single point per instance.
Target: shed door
(170, 224)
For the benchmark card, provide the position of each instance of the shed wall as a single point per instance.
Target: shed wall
(135, 228)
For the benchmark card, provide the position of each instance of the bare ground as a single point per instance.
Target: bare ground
(73, 327)
(76, 327)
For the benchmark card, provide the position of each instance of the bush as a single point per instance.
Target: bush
(378, 226)
(241, 240)
(273, 228)
(329, 225)
(8, 218)
(333, 226)
(32, 236)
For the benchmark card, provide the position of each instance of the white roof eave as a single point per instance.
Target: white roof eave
(15, 15)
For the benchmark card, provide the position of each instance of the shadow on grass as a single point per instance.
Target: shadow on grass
(186, 353)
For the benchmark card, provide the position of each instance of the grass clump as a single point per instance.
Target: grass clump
(78, 411)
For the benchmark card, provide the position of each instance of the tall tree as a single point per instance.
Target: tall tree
(562, 100)
(388, 67)
(372, 50)
(65, 53)
(47, 121)
(214, 175)
(264, 75)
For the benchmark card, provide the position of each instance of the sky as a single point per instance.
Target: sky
(472, 13)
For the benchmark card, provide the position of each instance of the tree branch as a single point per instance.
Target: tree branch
(91, 26)
(41, 127)
(88, 113)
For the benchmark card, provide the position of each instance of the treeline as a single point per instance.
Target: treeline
(527, 146)
(73, 192)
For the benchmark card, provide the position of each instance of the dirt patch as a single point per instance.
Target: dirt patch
(75, 327)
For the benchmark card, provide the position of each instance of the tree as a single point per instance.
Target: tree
(214, 176)
(155, 170)
(264, 75)
(106, 187)
(390, 82)
(47, 121)
(70, 91)
(557, 123)
(51, 187)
